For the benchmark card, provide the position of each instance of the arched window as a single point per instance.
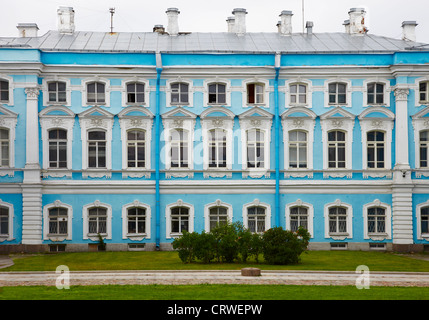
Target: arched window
(179, 148)
(337, 220)
(97, 149)
(4, 147)
(256, 219)
(136, 145)
(297, 149)
(255, 148)
(218, 216)
(336, 149)
(298, 218)
(217, 148)
(96, 92)
(135, 92)
(57, 148)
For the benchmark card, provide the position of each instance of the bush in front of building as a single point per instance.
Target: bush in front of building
(284, 246)
(232, 242)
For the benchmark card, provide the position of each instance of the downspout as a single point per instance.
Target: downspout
(157, 149)
(277, 137)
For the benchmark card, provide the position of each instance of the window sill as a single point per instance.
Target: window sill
(339, 235)
(57, 173)
(7, 171)
(217, 173)
(137, 104)
(256, 173)
(295, 105)
(96, 173)
(252, 105)
(179, 173)
(377, 173)
(337, 173)
(298, 173)
(136, 173)
(137, 236)
(422, 172)
(185, 104)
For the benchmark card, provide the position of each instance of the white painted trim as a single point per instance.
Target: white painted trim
(45, 91)
(255, 80)
(85, 217)
(349, 208)
(386, 92)
(12, 86)
(420, 123)
(217, 203)
(57, 204)
(178, 203)
(11, 216)
(8, 120)
(124, 95)
(310, 214)
(388, 221)
(309, 93)
(228, 90)
(84, 92)
(419, 234)
(257, 203)
(148, 222)
(416, 88)
(191, 91)
(348, 92)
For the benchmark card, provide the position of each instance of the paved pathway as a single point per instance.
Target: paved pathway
(217, 277)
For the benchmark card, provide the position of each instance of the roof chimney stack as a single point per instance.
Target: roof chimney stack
(346, 25)
(173, 21)
(231, 24)
(65, 20)
(240, 21)
(409, 31)
(158, 28)
(286, 22)
(27, 29)
(309, 26)
(357, 21)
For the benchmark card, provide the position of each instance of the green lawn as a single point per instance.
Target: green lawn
(168, 260)
(213, 292)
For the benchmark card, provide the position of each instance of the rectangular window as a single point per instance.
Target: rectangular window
(424, 142)
(217, 93)
(4, 91)
(298, 218)
(96, 92)
(218, 216)
(136, 220)
(298, 94)
(57, 148)
(179, 219)
(136, 149)
(4, 221)
(96, 149)
(255, 93)
(376, 220)
(375, 149)
(337, 93)
(255, 148)
(180, 93)
(217, 148)
(423, 91)
(135, 93)
(97, 221)
(375, 93)
(179, 149)
(424, 220)
(337, 220)
(4, 147)
(58, 221)
(57, 91)
(256, 219)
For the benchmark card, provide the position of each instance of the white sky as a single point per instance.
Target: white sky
(384, 17)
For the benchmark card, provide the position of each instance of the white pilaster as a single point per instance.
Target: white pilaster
(31, 188)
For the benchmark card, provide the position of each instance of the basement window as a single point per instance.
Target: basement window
(136, 247)
(377, 246)
(339, 245)
(57, 248)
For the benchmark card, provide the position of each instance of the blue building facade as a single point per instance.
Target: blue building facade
(136, 137)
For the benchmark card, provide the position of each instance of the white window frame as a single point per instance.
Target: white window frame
(386, 92)
(57, 204)
(84, 91)
(388, 218)
(349, 90)
(384, 124)
(148, 222)
(309, 93)
(8, 120)
(124, 92)
(11, 215)
(292, 123)
(310, 214)
(266, 92)
(45, 91)
(417, 100)
(226, 123)
(10, 102)
(216, 204)
(262, 122)
(420, 235)
(85, 217)
(168, 92)
(257, 203)
(89, 122)
(129, 122)
(420, 123)
(225, 82)
(345, 123)
(51, 121)
(349, 211)
(172, 122)
(178, 203)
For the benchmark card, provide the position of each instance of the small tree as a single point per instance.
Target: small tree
(283, 246)
(185, 245)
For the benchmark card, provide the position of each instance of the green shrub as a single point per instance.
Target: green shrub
(205, 242)
(283, 246)
(185, 245)
(226, 246)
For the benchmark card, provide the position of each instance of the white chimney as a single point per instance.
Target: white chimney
(65, 20)
(409, 31)
(346, 24)
(27, 29)
(286, 22)
(231, 24)
(173, 21)
(240, 21)
(357, 21)
(309, 25)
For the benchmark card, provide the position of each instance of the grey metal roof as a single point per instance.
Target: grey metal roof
(212, 42)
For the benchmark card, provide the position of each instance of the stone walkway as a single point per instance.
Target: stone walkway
(216, 277)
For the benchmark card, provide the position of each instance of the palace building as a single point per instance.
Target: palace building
(137, 136)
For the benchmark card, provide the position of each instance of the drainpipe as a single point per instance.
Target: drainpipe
(277, 137)
(157, 148)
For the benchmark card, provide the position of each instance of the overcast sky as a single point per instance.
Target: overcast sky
(383, 17)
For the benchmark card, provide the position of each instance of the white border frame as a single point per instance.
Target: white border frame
(57, 204)
(419, 234)
(191, 91)
(217, 203)
(228, 91)
(388, 221)
(10, 220)
(267, 90)
(84, 92)
(148, 223)
(85, 223)
(310, 214)
(124, 95)
(386, 92)
(349, 208)
(349, 90)
(309, 93)
(257, 203)
(45, 91)
(178, 203)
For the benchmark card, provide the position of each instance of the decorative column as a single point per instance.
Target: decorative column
(32, 188)
(402, 188)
